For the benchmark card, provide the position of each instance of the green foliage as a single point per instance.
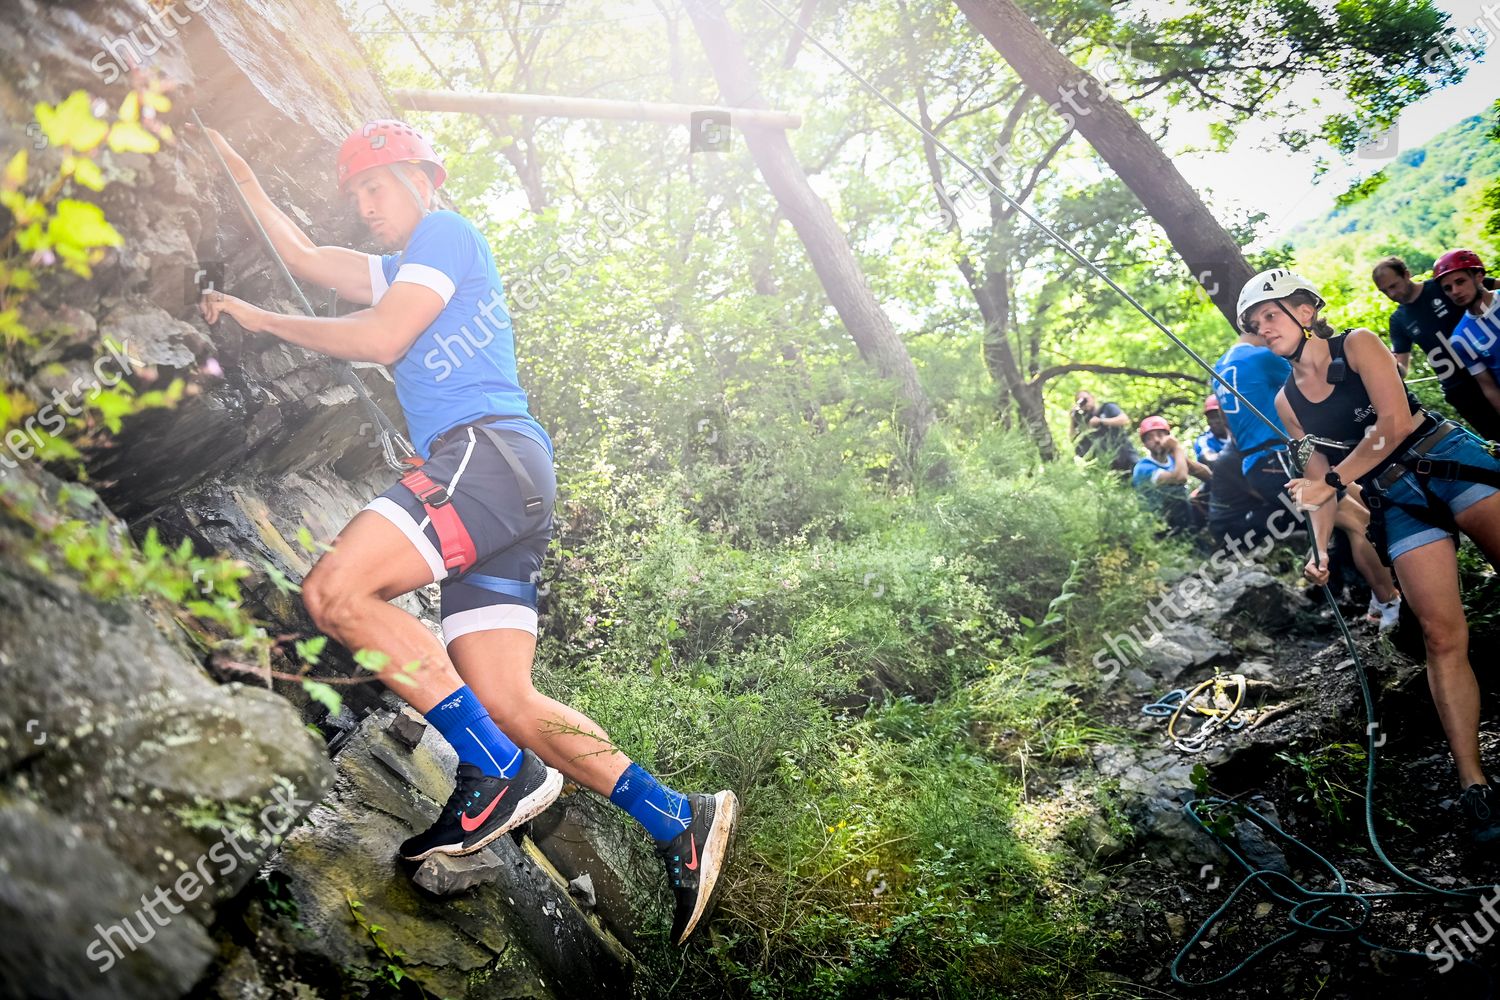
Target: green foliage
(1331, 780)
(46, 230)
(390, 974)
(1426, 200)
(868, 686)
(1243, 57)
(1492, 193)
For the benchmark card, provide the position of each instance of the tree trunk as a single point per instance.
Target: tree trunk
(828, 249)
(1210, 253)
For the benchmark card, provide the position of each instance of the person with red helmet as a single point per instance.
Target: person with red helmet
(1208, 446)
(1426, 317)
(1476, 339)
(1424, 480)
(1161, 477)
(474, 515)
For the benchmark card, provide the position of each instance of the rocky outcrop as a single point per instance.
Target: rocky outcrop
(165, 830)
(139, 794)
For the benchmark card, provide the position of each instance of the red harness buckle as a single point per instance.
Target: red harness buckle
(453, 538)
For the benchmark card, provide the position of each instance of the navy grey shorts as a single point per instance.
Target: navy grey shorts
(500, 589)
(1404, 532)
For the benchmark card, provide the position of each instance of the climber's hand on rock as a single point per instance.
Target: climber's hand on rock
(1316, 569)
(216, 304)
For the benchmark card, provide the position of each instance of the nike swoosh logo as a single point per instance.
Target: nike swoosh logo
(692, 865)
(472, 823)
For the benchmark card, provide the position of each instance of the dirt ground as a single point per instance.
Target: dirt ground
(1309, 765)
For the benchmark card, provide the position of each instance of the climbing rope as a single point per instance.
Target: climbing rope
(1217, 716)
(1313, 911)
(393, 444)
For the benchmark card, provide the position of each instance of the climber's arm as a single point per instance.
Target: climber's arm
(344, 270)
(381, 333)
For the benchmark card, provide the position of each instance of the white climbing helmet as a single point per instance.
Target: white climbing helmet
(1268, 286)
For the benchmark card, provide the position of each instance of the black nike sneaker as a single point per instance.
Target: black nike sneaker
(482, 808)
(695, 857)
(1482, 807)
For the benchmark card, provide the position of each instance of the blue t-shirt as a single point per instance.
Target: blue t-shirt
(1148, 467)
(1258, 373)
(1476, 341)
(463, 367)
(1206, 446)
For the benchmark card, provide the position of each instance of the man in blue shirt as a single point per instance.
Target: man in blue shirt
(1258, 374)
(1211, 443)
(1161, 476)
(474, 516)
(1476, 338)
(1426, 317)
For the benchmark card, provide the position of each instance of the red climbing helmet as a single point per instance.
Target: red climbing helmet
(383, 142)
(1457, 260)
(1211, 404)
(1153, 424)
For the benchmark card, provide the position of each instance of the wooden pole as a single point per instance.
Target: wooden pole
(542, 105)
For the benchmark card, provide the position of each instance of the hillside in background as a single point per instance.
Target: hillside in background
(1428, 194)
(1431, 200)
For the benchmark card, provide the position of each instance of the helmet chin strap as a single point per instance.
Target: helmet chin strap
(1307, 332)
(411, 188)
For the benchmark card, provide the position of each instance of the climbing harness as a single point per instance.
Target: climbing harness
(454, 541)
(1411, 460)
(1312, 912)
(395, 448)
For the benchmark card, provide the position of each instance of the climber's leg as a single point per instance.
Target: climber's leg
(692, 831)
(370, 563)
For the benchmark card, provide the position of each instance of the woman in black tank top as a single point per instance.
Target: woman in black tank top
(1347, 393)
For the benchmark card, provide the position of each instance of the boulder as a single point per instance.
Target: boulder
(511, 930)
(79, 923)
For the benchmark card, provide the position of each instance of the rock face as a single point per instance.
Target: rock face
(198, 829)
(138, 794)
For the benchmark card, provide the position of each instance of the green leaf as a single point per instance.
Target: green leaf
(15, 172)
(372, 660)
(87, 173)
(324, 695)
(82, 224)
(309, 650)
(72, 123)
(128, 137)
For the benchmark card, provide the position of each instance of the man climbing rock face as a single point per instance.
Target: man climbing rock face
(474, 516)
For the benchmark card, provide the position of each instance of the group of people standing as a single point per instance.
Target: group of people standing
(1319, 422)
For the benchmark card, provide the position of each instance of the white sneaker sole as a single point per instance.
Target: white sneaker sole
(711, 859)
(528, 809)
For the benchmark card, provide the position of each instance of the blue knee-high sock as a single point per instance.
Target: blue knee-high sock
(478, 741)
(663, 812)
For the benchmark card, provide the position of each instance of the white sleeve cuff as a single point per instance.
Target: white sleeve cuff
(1478, 368)
(428, 277)
(378, 284)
